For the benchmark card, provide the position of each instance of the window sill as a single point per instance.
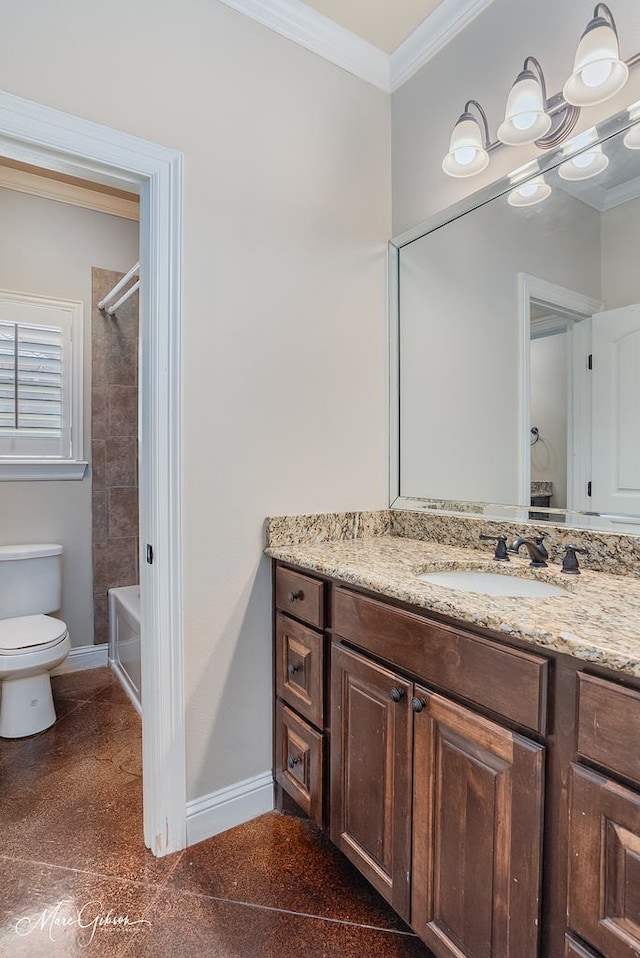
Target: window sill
(20, 470)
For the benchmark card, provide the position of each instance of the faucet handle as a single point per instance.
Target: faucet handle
(570, 561)
(539, 543)
(500, 555)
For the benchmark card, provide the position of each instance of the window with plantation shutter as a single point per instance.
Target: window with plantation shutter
(40, 387)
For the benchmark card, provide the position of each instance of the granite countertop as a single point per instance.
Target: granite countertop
(597, 619)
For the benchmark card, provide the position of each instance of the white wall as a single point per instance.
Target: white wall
(287, 213)
(49, 248)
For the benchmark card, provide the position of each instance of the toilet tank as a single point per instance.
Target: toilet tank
(30, 579)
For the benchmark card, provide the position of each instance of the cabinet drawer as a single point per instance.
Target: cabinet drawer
(609, 726)
(299, 664)
(506, 681)
(299, 761)
(300, 595)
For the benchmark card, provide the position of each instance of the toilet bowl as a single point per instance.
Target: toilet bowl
(32, 643)
(30, 647)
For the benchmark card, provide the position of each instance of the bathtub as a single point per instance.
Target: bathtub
(124, 640)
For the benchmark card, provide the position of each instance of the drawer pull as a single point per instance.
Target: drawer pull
(296, 596)
(397, 694)
(292, 670)
(417, 704)
(292, 762)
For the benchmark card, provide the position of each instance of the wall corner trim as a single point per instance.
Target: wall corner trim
(228, 807)
(310, 29)
(446, 21)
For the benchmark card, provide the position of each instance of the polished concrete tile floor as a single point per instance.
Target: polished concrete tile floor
(76, 879)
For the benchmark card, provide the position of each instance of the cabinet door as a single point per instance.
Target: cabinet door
(371, 772)
(477, 826)
(604, 864)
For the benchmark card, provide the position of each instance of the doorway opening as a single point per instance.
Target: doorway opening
(39, 136)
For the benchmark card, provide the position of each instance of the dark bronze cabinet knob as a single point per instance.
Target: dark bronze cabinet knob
(397, 694)
(293, 669)
(296, 596)
(292, 762)
(417, 704)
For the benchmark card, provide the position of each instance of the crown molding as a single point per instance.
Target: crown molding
(446, 21)
(296, 21)
(52, 189)
(304, 25)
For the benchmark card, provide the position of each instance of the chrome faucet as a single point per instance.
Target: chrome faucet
(536, 550)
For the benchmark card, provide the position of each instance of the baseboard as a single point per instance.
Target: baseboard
(84, 657)
(218, 811)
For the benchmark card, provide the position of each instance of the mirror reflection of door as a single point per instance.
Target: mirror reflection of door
(550, 399)
(616, 411)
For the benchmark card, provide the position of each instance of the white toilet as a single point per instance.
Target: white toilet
(31, 643)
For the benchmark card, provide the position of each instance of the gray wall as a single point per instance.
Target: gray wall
(49, 248)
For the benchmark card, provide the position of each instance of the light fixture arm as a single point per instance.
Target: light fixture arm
(485, 123)
(608, 16)
(540, 73)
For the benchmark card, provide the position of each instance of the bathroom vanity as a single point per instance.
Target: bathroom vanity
(475, 757)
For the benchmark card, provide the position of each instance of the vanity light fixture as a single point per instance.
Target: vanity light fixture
(530, 193)
(584, 165)
(526, 119)
(467, 150)
(598, 71)
(533, 117)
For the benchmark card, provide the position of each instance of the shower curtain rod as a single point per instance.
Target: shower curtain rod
(116, 289)
(124, 298)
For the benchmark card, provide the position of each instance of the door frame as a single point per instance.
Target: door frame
(580, 308)
(41, 136)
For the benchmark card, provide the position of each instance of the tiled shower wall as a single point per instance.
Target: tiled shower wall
(114, 447)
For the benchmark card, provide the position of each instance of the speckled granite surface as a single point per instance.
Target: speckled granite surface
(614, 553)
(325, 526)
(596, 619)
(541, 487)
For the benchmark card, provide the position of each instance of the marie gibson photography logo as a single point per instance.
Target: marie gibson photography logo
(87, 920)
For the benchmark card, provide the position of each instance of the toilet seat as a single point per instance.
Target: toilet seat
(30, 633)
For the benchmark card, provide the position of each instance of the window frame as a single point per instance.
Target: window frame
(54, 467)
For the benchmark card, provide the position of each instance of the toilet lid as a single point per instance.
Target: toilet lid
(30, 632)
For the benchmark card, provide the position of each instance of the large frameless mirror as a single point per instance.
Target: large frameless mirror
(516, 343)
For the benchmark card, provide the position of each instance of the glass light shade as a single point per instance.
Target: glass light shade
(584, 165)
(632, 138)
(525, 117)
(598, 71)
(467, 155)
(530, 193)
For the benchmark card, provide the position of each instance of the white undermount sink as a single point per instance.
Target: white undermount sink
(492, 583)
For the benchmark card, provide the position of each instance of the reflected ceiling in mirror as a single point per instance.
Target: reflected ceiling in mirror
(516, 343)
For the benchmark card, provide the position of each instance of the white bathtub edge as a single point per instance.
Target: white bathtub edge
(228, 807)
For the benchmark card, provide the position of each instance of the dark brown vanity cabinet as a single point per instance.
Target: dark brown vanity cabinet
(604, 822)
(371, 751)
(299, 667)
(489, 792)
(438, 806)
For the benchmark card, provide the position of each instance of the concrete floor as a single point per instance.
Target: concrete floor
(76, 878)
